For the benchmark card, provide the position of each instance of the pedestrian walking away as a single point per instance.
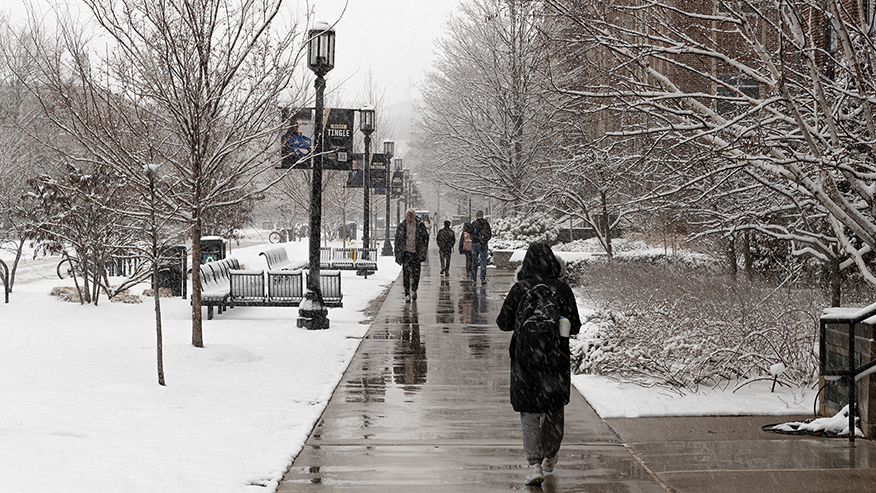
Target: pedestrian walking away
(445, 238)
(480, 235)
(465, 247)
(428, 223)
(541, 312)
(411, 248)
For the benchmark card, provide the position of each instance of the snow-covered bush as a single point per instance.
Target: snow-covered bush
(632, 252)
(685, 329)
(518, 232)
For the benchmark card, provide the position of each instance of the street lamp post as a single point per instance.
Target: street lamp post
(388, 150)
(366, 124)
(407, 174)
(313, 314)
(397, 168)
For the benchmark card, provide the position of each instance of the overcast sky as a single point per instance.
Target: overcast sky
(394, 38)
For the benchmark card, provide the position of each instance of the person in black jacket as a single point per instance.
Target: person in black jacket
(480, 235)
(445, 238)
(539, 394)
(411, 248)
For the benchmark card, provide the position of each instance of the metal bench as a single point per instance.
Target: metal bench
(366, 261)
(276, 288)
(278, 259)
(363, 260)
(330, 285)
(216, 284)
(344, 258)
(247, 286)
(325, 257)
(285, 288)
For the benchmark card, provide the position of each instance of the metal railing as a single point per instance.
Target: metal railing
(848, 317)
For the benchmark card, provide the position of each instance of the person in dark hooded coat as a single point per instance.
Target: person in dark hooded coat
(540, 395)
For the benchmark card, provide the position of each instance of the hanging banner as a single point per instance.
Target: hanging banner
(356, 176)
(379, 163)
(297, 140)
(397, 183)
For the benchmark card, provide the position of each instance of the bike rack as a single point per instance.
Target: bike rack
(849, 318)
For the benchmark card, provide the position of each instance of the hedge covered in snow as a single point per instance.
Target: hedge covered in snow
(687, 328)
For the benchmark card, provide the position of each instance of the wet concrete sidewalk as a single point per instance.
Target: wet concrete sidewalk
(424, 407)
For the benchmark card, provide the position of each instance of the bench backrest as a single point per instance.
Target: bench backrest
(325, 254)
(247, 284)
(216, 275)
(330, 285)
(345, 254)
(208, 276)
(367, 254)
(285, 286)
(276, 257)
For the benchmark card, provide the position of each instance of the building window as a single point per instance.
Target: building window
(745, 85)
(727, 6)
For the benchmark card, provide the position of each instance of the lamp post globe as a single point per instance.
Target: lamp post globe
(388, 150)
(321, 48)
(313, 313)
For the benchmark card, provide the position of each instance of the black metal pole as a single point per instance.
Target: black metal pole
(366, 236)
(387, 246)
(313, 314)
(852, 391)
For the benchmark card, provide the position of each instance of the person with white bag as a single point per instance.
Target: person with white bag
(541, 311)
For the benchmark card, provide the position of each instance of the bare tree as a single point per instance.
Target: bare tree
(191, 85)
(21, 155)
(781, 92)
(484, 116)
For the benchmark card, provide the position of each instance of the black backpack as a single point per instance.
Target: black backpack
(538, 342)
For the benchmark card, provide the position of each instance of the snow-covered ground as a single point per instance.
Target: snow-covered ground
(81, 410)
(611, 399)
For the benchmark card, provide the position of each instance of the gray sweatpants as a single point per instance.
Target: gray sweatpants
(542, 434)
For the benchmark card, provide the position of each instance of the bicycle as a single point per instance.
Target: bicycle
(68, 267)
(277, 236)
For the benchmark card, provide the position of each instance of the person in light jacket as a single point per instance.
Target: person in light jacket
(411, 249)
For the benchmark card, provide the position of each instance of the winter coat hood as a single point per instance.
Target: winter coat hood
(539, 262)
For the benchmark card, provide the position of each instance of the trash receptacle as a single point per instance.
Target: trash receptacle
(212, 249)
(172, 270)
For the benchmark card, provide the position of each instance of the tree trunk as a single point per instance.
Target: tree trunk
(156, 296)
(835, 283)
(731, 255)
(18, 249)
(606, 225)
(746, 255)
(197, 335)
